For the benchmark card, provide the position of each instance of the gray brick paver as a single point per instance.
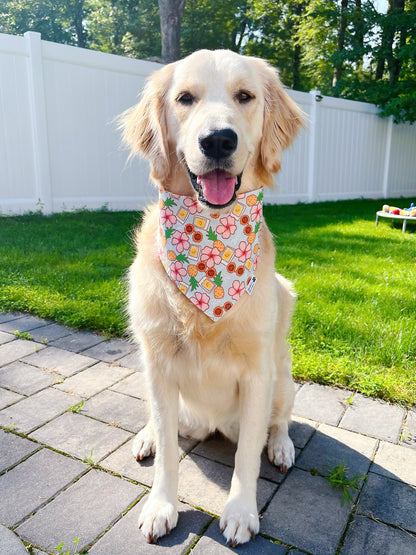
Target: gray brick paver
(374, 418)
(24, 324)
(83, 511)
(34, 411)
(6, 337)
(321, 403)
(31, 483)
(14, 448)
(366, 536)
(24, 378)
(8, 398)
(50, 332)
(306, 512)
(94, 379)
(395, 461)
(134, 385)
(10, 544)
(126, 532)
(79, 435)
(409, 431)
(77, 342)
(64, 362)
(109, 351)
(17, 349)
(332, 446)
(112, 407)
(390, 501)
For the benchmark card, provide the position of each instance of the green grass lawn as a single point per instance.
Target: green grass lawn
(355, 320)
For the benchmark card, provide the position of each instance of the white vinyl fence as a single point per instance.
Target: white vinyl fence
(60, 148)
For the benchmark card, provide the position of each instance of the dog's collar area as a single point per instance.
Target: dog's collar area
(210, 257)
(196, 184)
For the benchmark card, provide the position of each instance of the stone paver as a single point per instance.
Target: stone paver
(94, 379)
(118, 409)
(24, 378)
(81, 436)
(78, 342)
(30, 484)
(332, 446)
(307, 512)
(374, 418)
(8, 398)
(127, 533)
(213, 543)
(320, 403)
(31, 412)
(15, 350)
(82, 511)
(109, 351)
(6, 337)
(14, 448)
(390, 501)
(368, 536)
(59, 360)
(67, 474)
(134, 385)
(10, 544)
(396, 462)
(206, 483)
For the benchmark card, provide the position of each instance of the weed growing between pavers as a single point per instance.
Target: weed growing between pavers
(338, 479)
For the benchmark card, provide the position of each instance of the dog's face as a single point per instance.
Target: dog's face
(212, 124)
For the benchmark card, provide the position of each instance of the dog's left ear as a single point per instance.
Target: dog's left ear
(282, 119)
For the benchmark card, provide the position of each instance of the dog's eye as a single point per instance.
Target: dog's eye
(243, 97)
(185, 98)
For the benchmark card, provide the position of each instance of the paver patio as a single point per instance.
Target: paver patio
(68, 474)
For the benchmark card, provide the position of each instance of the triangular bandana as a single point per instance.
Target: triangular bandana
(211, 258)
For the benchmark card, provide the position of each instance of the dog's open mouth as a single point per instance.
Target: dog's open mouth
(217, 188)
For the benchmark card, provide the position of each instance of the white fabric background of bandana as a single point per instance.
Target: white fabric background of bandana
(211, 258)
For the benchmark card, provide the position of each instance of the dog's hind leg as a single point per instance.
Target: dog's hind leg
(281, 451)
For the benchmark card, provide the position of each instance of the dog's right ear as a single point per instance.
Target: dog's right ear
(144, 125)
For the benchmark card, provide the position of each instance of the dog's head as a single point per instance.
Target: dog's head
(212, 124)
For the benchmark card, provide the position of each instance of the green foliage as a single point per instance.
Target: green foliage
(339, 479)
(354, 323)
(59, 549)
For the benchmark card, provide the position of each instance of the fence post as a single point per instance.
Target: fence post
(311, 162)
(387, 157)
(38, 120)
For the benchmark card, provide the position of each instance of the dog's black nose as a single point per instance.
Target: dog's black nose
(219, 144)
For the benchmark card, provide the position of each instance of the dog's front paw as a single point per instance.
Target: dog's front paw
(144, 444)
(281, 451)
(239, 522)
(158, 518)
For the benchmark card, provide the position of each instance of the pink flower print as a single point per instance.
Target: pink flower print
(236, 290)
(227, 227)
(177, 271)
(201, 300)
(243, 252)
(256, 212)
(255, 263)
(211, 257)
(192, 205)
(180, 240)
(167, 217)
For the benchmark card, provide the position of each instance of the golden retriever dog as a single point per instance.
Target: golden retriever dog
(213, 127)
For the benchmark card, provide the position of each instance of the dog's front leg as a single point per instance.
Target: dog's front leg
(240, 520)
(159, 514)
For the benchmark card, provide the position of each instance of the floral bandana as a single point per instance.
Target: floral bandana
(211, 258)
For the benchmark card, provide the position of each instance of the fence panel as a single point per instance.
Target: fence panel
(60, 148)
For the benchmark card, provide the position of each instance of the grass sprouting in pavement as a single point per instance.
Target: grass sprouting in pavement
(355, 319)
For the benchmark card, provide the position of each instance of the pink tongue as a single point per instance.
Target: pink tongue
(218, 186)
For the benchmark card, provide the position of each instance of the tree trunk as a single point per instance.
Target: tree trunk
(341, 41)
(359, 34)
(171, 12)
(299, 7)
(77, 18)
(389, 31)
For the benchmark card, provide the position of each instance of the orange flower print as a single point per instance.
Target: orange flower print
(243, 252)
(211, 257)
(201, 300)
(177, 271)
(192, 205)
(227, 227)
(236, 290)
(256, 212)
(167, 218)
(180, 241)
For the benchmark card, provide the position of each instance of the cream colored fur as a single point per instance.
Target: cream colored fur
(233, 375)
